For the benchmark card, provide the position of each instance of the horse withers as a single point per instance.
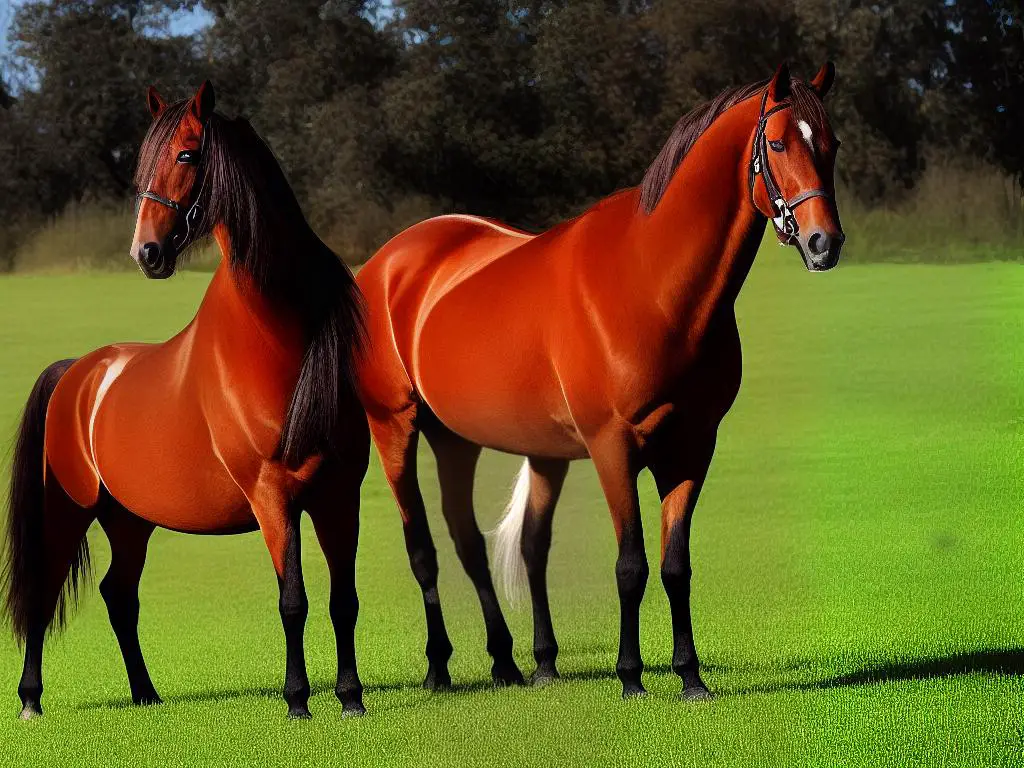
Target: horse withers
(612, 336)
(240, 422)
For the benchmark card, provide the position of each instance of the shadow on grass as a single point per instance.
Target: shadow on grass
(998, 661)
(270, 692)
(995, 661)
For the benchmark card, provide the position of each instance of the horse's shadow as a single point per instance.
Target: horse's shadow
(271, 692)
(993, 661)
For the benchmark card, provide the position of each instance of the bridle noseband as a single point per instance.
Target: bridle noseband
(785, 222)
(195, 211)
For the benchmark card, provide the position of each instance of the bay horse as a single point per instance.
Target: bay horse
(240, 422)
(611, 336)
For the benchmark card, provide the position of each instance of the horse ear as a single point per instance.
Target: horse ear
(822, 81)
(203, 101)
(155, 101)
(778, 88)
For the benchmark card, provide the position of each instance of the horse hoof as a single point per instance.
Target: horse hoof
(633, 691)
(31, 712)
(147, 700)
(697, 694)
(299, 713)
(437, 681)
(507, 674)
(544, 677)
(353, 709)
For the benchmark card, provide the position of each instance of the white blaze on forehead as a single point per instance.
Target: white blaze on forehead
(805, 131)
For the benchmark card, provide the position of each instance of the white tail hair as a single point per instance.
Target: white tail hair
(509, 566)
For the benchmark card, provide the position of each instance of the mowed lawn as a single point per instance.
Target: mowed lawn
(858, 558)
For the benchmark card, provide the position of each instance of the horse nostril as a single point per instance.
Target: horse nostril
(818, 243)
(149, 254)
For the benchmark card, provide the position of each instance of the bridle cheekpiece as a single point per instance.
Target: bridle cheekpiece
(785, 222)
(179, 239)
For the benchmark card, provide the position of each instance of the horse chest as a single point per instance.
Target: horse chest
(674, 383)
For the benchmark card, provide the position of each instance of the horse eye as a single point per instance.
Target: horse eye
(187, 156)
(777, 146)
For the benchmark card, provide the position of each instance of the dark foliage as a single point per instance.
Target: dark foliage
(526, 110)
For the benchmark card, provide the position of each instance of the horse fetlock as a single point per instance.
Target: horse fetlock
(31, 696)
(506, 672)
(297, 698)
(351, 698)
(437, 678)
(545, 673)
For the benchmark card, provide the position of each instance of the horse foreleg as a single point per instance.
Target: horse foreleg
(334, 510)
(679, 472)
(617, 473)
(129, 539)
(279, 523)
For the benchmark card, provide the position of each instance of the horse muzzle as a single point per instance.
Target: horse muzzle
(155, 262)
(821, 250)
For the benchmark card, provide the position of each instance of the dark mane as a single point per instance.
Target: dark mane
(806, 106)
(243, 187)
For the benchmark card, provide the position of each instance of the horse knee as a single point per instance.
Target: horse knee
(675, 576)
(631, 574)
(294, 608)
(424, 565)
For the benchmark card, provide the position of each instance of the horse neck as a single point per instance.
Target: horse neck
(701, 239)
(240, 298)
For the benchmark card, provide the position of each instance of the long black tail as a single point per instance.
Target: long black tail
(24, 574)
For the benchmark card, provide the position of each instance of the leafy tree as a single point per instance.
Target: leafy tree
(526, 110)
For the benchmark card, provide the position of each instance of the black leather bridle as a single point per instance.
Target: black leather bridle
(188, 223)
(785, 222)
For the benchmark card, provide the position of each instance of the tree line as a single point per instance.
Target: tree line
(524, 110)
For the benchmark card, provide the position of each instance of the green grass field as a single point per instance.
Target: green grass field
(859, 565)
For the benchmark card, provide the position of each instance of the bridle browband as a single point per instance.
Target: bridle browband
(785, 222)
(195, 211)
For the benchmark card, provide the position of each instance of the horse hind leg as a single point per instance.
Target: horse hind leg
(60, 552)
(456, 467)
(522, 544)
(129, 538)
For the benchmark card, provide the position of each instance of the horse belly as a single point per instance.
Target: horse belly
(491, 382)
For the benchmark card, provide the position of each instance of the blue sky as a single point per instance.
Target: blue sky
(182, 23)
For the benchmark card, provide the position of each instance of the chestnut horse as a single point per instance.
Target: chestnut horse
(238, 423)
(612, 336)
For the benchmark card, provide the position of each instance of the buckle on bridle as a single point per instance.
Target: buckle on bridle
(785, 223)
